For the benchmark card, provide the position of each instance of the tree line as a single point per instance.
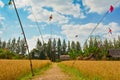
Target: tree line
(92, 49)
(13, 48)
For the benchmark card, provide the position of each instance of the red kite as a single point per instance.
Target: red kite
(76, 35)
(110, 31)
(50, 18)
(111, 8)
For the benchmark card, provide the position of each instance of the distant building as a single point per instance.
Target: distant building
(64, 57)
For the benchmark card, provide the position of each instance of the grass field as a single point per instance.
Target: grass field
(96, 70)
(13, 69)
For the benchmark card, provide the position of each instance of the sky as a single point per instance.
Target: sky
(69, 18)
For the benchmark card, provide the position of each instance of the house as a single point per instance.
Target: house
(64, 57)
(115, 53)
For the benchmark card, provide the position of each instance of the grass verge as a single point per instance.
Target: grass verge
(37, 71)
(75, 73)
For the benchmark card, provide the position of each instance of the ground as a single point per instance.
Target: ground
(53, 73)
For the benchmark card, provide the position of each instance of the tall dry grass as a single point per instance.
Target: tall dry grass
(12, 69)
(105, 70)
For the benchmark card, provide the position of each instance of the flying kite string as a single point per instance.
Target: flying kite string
(37, 24)
(97, 25)
(110, 10)
(50, 18)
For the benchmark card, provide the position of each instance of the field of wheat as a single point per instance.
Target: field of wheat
(104, 70)
(12, 69)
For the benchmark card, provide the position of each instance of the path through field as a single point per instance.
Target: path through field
(53, 73)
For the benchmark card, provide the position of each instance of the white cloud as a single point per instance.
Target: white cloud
(2, 18)
(22, 3)
(1, 33)
(83, 31)
(60, 8)
(1, 4)
(1, 25)
(63, 7)
(99, 6)
(32, 42)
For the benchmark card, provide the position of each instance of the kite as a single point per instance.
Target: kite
(76, 35)
(110, 31)
(50, 18)
(10, 2)
(111, 8)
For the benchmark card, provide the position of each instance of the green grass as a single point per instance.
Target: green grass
(76, 74)
(37, 71)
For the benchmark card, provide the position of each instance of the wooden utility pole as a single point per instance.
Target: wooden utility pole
(23, 35)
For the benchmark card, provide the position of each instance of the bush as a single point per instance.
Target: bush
(6, 54)
(73, 54)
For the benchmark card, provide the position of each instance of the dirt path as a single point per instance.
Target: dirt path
(54, 73)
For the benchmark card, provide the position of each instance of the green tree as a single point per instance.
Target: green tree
(0, 44)
(42, 55)
(86, 49)
(39, 45)
(73, 55)
(49, 47)
(91, 46)
(34, 54)
(96, 48)
(18, 46)
(91, 43)
(110, 44)
(105, 47)
(54, 45)
(13, 45)
(78, 48)
(68, 46)
(41, 50)
(3, 44)
(73, 46)
(64, 46)
(9, 45)
(118, 42)
(95, 42)
(115, 43)
(23, 47)
(59, 47)
(54, 50)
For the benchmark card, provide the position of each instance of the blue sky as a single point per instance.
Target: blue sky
(70, 18)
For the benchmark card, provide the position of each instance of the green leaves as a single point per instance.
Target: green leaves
(73, 54)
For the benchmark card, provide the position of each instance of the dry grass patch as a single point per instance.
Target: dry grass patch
(12, 69)
(105, 70)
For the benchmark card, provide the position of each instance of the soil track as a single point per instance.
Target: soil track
(53, 73)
